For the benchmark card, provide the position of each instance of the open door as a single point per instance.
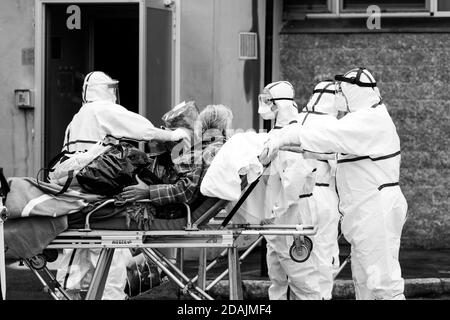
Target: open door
(131, 40)
(159, 57)
(106, 39)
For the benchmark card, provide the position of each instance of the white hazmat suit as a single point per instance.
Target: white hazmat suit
(320, 107)
(367, 180)
(289, 189)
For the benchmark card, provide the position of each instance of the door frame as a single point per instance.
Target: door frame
(39, 90)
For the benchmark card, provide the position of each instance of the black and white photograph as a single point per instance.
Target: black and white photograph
(243, 151)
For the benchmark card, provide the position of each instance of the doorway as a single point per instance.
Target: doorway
(107, 39)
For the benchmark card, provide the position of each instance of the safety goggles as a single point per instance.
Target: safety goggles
(266, 98)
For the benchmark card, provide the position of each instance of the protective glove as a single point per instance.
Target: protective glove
(270, 151)
(288, 136)
(180, 134)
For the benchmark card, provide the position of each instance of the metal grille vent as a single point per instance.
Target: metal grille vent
(248, 46)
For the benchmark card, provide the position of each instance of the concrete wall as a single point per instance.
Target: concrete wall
(211, 71)
(16, 126)
(413, 74)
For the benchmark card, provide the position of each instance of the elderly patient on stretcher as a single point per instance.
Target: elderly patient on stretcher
(169, 176)
(172, 175)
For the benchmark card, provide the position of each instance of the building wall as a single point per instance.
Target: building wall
(16, 126)
(413, 74)
(211, 72)
(210, 69)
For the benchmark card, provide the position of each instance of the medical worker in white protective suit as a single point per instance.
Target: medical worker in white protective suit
(289, 188)
(319, 109)
(367, 180)
(100, 116)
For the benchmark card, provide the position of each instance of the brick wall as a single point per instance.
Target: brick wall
(414, 80)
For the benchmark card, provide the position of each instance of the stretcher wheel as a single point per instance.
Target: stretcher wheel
(302, 254)
(3, 213)
(38, 262)
(51, 255)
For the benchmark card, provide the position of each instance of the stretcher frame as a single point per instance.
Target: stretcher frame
(150, 241)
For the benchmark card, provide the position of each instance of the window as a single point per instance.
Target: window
(443, 5)
(386, 5)
(308, 6)
(322, 9)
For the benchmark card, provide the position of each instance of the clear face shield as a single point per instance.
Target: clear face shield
(112, 88)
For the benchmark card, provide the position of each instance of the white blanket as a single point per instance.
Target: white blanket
(238, 156)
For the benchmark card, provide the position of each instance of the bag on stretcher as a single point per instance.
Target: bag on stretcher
(115, 169)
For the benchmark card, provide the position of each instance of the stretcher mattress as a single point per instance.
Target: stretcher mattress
(116, 218)
(27, 237)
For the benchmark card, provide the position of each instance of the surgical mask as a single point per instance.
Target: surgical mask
(268, 115)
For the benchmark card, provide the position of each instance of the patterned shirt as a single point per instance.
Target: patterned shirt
(182, 181)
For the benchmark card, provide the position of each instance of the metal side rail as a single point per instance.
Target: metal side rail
(143, 239)
(172, 239)
(273, 229)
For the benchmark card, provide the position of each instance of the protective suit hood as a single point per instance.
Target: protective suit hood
(323, 99)
(276, 96)
(98, 86)
(358, 90)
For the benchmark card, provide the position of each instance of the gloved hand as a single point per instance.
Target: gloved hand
(270, 151)
(180, 134)
(288, 136)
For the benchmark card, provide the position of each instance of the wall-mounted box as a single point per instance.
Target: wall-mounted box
(24, 98)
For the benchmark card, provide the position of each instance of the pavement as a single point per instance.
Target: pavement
(426, 273)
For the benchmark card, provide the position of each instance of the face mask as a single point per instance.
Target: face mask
(268, 115)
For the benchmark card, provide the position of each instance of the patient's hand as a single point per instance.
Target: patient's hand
(137, 192)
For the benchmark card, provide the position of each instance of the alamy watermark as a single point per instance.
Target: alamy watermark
(374, 20)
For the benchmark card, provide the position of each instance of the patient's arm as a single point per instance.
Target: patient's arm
(135, 192)
(189, 170)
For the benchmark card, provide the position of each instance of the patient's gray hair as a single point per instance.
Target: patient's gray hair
(217, 117)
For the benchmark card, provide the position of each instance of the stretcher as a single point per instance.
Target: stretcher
(200, 231)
